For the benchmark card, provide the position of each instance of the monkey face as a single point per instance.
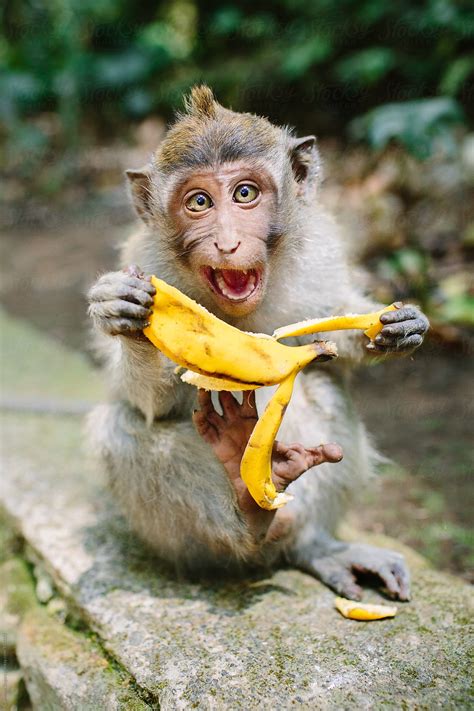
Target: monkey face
(223, 218)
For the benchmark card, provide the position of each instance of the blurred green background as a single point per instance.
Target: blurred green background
(86, 91)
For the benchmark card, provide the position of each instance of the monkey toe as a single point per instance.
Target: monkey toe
(337, 576)
(388, 566)
(402, 579)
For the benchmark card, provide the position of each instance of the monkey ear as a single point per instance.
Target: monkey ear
(305, 162)
(140, 190)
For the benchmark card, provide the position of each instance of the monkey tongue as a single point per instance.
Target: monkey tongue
(235, 283)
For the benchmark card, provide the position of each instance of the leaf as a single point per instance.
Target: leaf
(301, 57)
(456, 74)
(367, 66)
(420, 125)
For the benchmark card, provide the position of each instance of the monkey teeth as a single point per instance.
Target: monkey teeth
(233, 284)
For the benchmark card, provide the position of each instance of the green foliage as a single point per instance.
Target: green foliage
(455, 300)
(316, 64)
(420, 125)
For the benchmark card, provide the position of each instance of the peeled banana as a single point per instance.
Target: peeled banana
(369, 323)
(194, 338)
(256, 465)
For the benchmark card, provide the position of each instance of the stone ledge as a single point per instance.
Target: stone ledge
(62, 668)
(264, 643)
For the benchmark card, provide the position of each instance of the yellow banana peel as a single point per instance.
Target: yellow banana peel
(207, 383)
(256, 465)
(192, 337)
(218, 356)
(364, 612)
(369, 323)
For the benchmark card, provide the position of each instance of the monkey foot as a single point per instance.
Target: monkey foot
(340, 570)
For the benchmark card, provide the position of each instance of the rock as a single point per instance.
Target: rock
(40, 375)
(270, 641)
(44, 585)
(15, 599)
(62, 668)
(12, 689)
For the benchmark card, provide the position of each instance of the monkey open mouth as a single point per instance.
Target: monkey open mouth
(232, 284)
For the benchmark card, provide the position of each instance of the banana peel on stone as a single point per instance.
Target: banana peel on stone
(363, 612)
(219, 356)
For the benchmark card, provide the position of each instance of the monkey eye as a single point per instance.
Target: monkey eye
(199, 202)
(245, 193)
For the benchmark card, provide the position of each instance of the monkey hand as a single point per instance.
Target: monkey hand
(120, 302)
(404, 330)
(228, 435)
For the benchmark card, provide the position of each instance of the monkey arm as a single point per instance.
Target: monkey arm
(139, 373)
(119, 305)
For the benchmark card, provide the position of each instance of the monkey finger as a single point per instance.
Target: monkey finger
(123, 326)
(140, 284)
(249, 405)
(404, 313)
(120, 309)
(204, 427)
(116, 278)
(110, 292)
(134, 270)
(106, 310)
(405, 344)
(230, 406)
(292, 451)
(205, 403)
(405, 328)
(331, 453)
(208, 411)
(280, 448)
(376, 349)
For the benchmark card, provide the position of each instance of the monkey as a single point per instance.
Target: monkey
(230, 214)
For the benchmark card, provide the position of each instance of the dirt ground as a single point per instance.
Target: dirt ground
(420, 410)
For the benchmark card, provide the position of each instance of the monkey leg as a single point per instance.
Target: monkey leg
(172, 489)
(342, 563)
(321, 407)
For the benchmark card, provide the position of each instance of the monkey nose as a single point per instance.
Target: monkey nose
(225, 249)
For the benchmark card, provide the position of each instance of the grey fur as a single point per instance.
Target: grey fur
(174, 492)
